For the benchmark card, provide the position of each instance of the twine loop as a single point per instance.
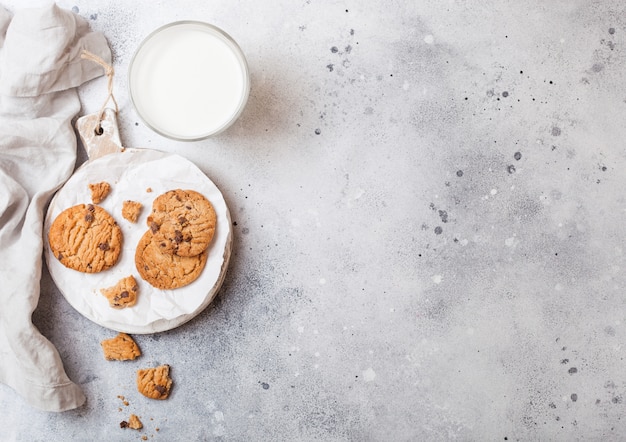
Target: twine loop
(109, 72)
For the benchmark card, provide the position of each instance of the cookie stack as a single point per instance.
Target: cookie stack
(173, 251)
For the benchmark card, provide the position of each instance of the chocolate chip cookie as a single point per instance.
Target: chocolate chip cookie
(85, 238)
(164, 270)
(183, 222)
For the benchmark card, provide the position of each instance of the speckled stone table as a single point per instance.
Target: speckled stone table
(429, 231)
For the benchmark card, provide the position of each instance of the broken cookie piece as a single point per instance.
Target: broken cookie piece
(133, 423)
(123, 294)
(99, 191)
(154, 383)
(131, 210)
(120, 348)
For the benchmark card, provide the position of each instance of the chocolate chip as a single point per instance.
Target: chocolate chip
(124, 294)
(89, 217)
(91, 208)
(154, 227)
(188, 207)
(160, 388)
(178, 236)
(123, 424)
(146, 268)
(182, 220)
(60, 256)
(104, 246)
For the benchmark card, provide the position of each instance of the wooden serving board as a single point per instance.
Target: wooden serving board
(138, 175)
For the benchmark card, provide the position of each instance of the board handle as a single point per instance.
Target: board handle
(99, 133)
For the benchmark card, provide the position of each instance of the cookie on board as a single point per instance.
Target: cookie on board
(183, 222)
(163, 270)
(85, 238)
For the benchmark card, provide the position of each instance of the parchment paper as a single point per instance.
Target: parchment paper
(130, 173)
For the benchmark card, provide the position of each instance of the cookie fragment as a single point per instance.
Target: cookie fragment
(133, 423)
(183, 222)
(120, 348)
(163, 270)
(99, 191)
(85, 238)
(154, 383)
(131, 210)
(123, 294)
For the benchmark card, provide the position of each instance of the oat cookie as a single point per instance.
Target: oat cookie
(86, 238)
(183, 222)
(123, 294)
(163, 270)
(131, 210)
(120, 348)
(99, 191)
(154, 383)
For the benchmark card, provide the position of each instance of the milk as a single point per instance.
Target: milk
(189, 80)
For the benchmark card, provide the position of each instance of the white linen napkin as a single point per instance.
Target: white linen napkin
(40, 68)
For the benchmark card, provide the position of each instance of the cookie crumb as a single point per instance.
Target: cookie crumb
(149, 190)
(131, 210)
(99, 191)
(134, 422)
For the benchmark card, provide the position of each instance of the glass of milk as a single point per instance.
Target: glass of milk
(189, 80)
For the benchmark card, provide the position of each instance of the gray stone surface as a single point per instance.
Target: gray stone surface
(429, 239)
